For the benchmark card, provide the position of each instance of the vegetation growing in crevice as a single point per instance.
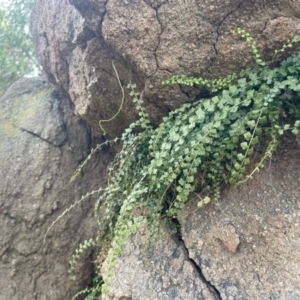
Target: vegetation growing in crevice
(195, 151)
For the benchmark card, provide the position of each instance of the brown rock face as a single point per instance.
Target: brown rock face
(77, 40)
(264, 214)
(245, 247)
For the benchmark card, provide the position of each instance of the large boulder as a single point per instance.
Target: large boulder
(42, 143)
(77, 40)
(245, 247)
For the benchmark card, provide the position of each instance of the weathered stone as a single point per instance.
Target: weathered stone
(155, 269)
(264, 215)
(42, 143)
(245, 247)
(76, 42)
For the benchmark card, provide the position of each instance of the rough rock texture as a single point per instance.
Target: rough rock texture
(245, 247)
(157, 269)
(149, 40)
(249, 246)
(42, 143)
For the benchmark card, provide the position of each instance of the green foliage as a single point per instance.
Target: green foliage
(195, 151)
(246, 35)
(212, 85)
(290, 44)
(16, 49)
(219, 134)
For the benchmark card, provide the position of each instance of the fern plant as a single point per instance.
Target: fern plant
(196, 150)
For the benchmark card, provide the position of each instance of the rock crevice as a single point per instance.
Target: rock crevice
(197, 267)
